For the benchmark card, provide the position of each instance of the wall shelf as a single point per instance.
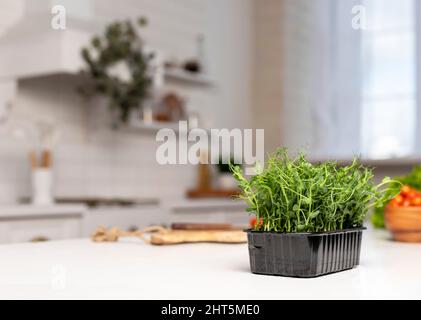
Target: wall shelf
(29, 52)
(152, 127)
(177, 75)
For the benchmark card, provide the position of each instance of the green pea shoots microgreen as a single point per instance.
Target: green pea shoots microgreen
(294, 195)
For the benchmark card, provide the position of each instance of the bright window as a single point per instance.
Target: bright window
(389, 79)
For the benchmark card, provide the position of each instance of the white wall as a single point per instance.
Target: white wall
(285, 46)
(268, 68)
(98, 162)
(11, 11)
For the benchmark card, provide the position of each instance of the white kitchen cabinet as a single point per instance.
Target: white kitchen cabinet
(25, 223)
(28, 230)
(123, 217)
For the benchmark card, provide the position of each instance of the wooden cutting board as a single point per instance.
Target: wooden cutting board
(192, 236)
(163, 236)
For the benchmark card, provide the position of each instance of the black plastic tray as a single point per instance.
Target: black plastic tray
(304, 255)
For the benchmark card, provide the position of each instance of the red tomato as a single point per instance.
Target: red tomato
(398, 199)
(406, 203)
(413, 194)
(416, 201)
(393, 203)
(405, 190)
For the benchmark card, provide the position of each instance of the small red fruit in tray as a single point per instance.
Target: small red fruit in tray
(253, 222)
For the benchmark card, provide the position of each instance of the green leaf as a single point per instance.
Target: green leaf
(301, 227)
(314, 214)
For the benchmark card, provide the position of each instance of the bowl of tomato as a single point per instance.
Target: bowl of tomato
(403, 215)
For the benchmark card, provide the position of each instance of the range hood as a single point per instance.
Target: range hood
(34, 48)
(30, 47)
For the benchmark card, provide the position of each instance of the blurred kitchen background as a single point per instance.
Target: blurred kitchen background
(336, 78)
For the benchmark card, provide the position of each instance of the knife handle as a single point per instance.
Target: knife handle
(202, 226)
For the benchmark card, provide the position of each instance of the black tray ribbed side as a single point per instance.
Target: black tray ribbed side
(304, 254)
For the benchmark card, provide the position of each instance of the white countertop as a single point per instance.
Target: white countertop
(131, 269)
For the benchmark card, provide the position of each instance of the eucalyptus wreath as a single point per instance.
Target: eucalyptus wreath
(119, 45)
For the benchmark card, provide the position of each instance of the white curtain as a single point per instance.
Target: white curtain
(326, 97)
(346, 81)
(417, 146)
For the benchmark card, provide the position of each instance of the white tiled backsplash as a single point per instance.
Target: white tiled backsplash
(91, 159)
(88, 161)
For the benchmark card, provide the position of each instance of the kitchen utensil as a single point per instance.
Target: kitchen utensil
(33, 160)
(107, 201)
(163, 236)
(204, 177)
(204, 226)
(46, 159)
(212, 193)
(42, 186)
(48, 135)
(190, 236)
(404, 223)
